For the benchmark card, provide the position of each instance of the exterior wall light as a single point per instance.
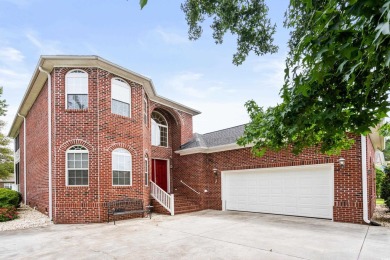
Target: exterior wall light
(215, 171)
(342, 162)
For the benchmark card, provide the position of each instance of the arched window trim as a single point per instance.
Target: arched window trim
(67, 76)
(159, 125)
(122, 152)
(76, 149)
(122, 83)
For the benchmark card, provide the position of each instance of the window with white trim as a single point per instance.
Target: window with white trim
(120, 97)
(159, 130)
(121, 167)
(8, 186)
(146, 170)
(77, 166)
(145, 111)
(76, 85)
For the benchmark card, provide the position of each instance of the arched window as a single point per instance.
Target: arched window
(146, 170)
(76, 85)
(120, 97)
(159, 130)
(77, 166)
(121, 167)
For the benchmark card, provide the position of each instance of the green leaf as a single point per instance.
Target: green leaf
(142, 3)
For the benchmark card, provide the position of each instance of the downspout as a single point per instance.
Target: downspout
(49, 140)
(24, 160)
(364, 179)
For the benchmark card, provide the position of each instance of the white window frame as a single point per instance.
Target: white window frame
(122, 83)
(146, 176)
(121, 151)
(146, 116)
(7, 185)
(159, 125)
(85, 75)
(67, 168)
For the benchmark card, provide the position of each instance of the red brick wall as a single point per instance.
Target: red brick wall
(37, 154)
(101, 132)
(196, 170)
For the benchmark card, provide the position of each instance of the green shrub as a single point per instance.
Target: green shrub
(385, 192)
(379, 179)
(8, 213)
(9, 198)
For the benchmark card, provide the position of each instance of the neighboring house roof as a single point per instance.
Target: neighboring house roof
(221, 140)
(49, 62)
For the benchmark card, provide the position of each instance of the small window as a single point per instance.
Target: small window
(159, 130)
(120, 97)
(17, 174)
(8, 186)
(77, 166)
(121, 167)
(145, 111)
(76, 82)
(146, 170)
(16, 143)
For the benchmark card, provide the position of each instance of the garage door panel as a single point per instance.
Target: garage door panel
(301, 191)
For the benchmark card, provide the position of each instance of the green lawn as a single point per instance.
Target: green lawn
(380, 201)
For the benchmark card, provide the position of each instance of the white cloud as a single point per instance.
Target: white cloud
(10, 54)
(45, 47)
(272, 72)
(195, 85)
(14, 79)
(170, 37)
(217, 115)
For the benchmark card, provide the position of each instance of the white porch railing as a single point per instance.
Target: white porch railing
(165, 199)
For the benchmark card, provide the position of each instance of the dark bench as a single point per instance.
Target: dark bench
(127, 206)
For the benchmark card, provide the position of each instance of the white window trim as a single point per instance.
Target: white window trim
(66, 165)
(166, 126)
(66, 89)
(112, 168)
(146, 112)
(123, 81)
(146, 170)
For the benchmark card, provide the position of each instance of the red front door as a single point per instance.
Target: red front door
(159, 173)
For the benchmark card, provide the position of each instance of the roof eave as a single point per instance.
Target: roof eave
(49, 62)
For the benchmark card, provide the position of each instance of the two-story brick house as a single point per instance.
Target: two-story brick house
(90, 131)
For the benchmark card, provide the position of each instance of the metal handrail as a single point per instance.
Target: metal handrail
(188, 186)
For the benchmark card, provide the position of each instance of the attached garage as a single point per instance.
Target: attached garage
(298, 190)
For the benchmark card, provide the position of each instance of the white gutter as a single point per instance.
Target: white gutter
(24, 161)
(49, 141)
(364, 179)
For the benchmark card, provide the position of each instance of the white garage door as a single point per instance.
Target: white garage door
(299, 190)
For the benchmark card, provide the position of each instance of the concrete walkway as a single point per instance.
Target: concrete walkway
(201, 235)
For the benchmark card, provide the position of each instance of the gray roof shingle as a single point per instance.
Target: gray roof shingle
(217, 138)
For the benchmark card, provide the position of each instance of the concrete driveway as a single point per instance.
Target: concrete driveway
(207, 234)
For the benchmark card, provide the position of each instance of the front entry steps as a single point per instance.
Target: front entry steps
(182, 205)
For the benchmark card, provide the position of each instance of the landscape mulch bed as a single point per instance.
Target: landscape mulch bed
(382, 215)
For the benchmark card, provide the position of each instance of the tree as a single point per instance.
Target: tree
(380, 175)
(386, 151)
(385, 189)
(6, 158)
(337, 71)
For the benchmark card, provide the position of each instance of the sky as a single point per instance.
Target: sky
(152, 42)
